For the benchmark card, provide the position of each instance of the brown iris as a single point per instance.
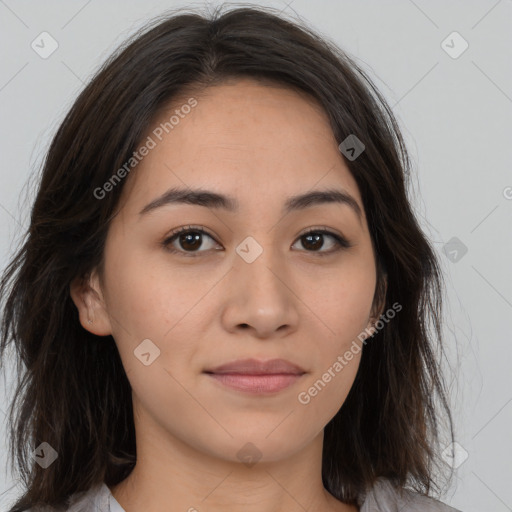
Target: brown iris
(190, 241)
(317, 244)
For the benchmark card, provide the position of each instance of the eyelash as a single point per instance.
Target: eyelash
(342, 242)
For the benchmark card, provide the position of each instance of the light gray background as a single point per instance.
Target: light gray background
(455, 115)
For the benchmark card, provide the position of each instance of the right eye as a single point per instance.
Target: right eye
(187, 240)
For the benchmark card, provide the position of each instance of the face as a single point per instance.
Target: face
(240, 282)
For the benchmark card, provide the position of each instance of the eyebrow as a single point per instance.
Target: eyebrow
(210, 199)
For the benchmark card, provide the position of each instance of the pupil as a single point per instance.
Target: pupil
(188, 237)
(318, 241)
(193, 241)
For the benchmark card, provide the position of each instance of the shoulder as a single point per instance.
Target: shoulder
(384, 497)
(96, 499)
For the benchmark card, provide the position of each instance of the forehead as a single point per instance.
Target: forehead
(242, 138)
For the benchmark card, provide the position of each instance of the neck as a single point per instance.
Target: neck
(173, 476)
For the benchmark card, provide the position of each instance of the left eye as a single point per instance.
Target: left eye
(190, 240)
(315, 240)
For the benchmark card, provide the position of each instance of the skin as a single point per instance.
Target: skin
(259, 144)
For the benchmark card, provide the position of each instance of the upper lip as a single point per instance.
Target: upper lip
(255, 367)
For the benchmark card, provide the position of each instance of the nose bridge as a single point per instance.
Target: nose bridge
(259, 294)
(258, 267)
(263, 275)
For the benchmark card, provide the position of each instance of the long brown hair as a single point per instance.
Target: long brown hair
(72, 391)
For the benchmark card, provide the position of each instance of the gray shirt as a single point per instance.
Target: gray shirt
(383, 497)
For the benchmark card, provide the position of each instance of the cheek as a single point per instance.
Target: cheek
(147, 301)
(344, 301)
(148, 296)
(344, 305)
(325, 392)
(338, 357)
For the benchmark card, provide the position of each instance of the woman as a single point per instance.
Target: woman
(224, 300)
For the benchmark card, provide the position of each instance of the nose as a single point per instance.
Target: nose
(260, 298)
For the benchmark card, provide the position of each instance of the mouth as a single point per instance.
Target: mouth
(257, 377)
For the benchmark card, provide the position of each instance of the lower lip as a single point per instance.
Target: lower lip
(256, 383)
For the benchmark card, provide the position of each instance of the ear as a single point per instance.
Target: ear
(87, 295)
